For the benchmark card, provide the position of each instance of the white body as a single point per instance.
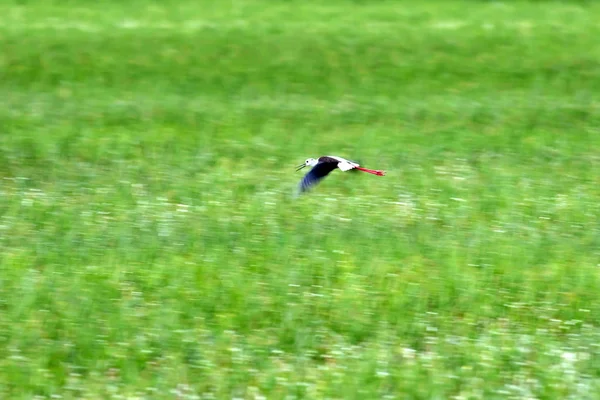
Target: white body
(344, 164)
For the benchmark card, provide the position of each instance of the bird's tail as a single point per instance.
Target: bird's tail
(372, 171)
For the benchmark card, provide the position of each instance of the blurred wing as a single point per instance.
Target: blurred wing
(315, 175)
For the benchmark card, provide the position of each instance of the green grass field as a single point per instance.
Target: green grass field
(151, 246)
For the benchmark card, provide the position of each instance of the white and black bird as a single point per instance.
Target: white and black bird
(322, 166)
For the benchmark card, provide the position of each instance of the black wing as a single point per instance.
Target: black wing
(316, 174)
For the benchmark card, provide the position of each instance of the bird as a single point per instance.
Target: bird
(322, 166)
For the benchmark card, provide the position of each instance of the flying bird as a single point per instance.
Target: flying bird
(322, 166)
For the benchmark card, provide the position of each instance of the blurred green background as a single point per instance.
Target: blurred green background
(151, 246)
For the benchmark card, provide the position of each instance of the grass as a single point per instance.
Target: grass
(151, 246)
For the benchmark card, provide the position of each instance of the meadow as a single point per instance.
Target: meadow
(151, 246)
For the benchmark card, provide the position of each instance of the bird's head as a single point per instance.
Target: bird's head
(310, 162)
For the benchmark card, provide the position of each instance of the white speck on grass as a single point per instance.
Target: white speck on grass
(183, 208)
(408, 353)
(27, 202)
(569, 357)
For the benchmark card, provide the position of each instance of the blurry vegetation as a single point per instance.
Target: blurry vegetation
(150, 245)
